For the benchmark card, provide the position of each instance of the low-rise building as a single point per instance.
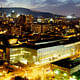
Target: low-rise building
(42, 52)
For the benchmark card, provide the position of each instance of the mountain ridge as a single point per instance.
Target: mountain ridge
(26, 11)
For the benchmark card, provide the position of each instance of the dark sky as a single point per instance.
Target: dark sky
(64, 7)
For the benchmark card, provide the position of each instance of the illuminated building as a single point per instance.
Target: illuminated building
(40, 20)
(44, 72)
(13, 14)
(4, 15)
(40, 27)
(16, 30)
(42, 52)
(29, 19)
(28, 23)
(2, 53)
(0, 14)
(51, 20)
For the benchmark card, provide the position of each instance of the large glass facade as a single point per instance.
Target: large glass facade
(21, 55)
(55, 53)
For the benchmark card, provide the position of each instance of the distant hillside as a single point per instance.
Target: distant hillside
(27, 11)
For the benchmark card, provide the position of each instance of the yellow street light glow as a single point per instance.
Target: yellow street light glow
(56, 71)
(3, 32)
(65, 74)
(1, 73)
(1, 50)
(12, 41)
(72, 79)
(74, 76)
(37, 63)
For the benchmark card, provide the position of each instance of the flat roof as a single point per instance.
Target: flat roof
(43, 44)
(38, 44)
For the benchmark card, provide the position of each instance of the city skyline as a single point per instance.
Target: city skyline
(63, 7)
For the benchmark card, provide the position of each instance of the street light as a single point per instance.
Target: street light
(65, 74)
(73, 77)
(56, 71)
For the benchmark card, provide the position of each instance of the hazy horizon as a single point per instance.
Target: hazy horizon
(62, 7)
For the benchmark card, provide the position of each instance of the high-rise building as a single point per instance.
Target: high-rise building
(29, 19)
(13, 14)
(40, 27)
(4, 15)
(0, 14)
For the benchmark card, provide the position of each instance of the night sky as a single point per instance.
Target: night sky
(64, 7)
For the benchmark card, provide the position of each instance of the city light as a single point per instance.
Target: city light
(57, 71)
(65, 74)
(8, 15)
(1, 74)
(69, 17)
(18, 15)
(36, 45)
(73, 76)
(24, 61)
(3, 32)
(37, 63)
(51, 19)
(13, 11)
(72, 79)
(13, 41)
